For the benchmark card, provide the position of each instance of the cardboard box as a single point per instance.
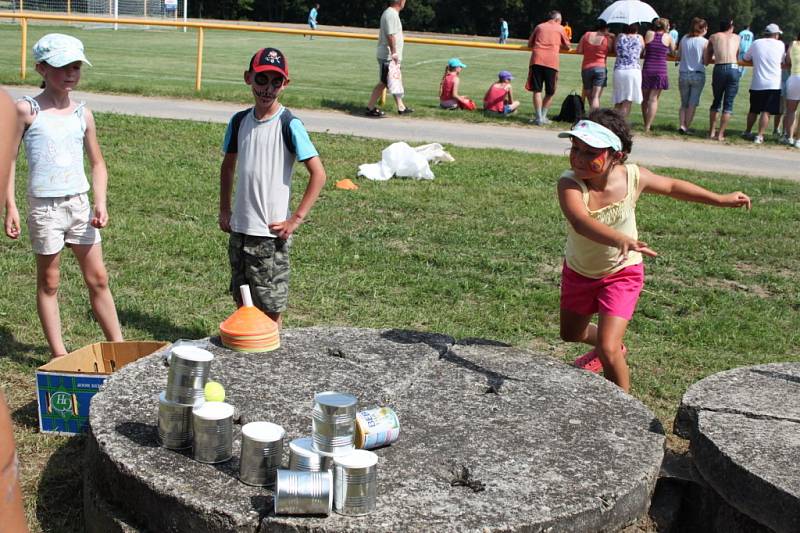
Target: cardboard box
(65, 386)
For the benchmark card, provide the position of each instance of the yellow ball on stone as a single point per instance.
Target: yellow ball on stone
(214, 392)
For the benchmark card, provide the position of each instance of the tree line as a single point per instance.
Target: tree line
(480, 17)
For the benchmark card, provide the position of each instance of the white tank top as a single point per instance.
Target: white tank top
(54, 148)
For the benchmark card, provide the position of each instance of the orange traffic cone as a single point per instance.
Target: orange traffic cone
(248, 329)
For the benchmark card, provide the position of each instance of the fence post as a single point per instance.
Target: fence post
(69, 7)
(144, 8)
(199, 77)
(24, 52)
(116, 14)
(185, 6)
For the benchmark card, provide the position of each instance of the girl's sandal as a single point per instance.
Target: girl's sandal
(589, 361)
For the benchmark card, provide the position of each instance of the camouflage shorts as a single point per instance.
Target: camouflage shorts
(262, 263)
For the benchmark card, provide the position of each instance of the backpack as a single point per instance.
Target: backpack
(286, 131)
(572, 109)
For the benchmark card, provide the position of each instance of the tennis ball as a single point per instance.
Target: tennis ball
(214, 392)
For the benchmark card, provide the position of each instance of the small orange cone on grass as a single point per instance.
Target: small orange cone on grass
(248, 329)
(346, 184)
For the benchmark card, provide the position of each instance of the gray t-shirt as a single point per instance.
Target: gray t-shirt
(264, 170)
(390, 25)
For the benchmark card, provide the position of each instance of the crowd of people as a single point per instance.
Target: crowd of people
(640, 73)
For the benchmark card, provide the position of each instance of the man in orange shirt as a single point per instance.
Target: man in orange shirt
(546, 42)
(568, 31)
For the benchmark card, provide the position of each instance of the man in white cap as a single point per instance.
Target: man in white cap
(767, 56)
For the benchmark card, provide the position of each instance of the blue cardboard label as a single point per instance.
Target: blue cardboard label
(64, 400)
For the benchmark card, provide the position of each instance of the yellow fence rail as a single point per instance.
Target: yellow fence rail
(201, 26)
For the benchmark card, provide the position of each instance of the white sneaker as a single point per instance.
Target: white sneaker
(759, 139)
(797, 143)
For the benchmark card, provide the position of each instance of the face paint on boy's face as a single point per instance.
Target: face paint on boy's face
(267, 85)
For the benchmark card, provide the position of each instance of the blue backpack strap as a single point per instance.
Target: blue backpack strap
(236, 121)
(286, 130)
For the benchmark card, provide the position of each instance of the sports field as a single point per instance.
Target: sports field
(330, 73)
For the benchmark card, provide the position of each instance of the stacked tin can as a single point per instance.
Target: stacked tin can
(188, 373)
(327, 472)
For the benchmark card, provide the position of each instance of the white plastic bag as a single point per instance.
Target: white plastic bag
(404, 161)
(394, 79)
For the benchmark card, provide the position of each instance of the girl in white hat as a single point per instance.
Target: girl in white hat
(55, 131)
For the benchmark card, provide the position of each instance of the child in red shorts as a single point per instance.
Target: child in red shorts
(603, 271)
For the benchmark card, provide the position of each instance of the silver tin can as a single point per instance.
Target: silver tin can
(355, 483)
(302, 456)
(376, 427)
(212, 423)
(174, 424)
(188, 373)
(333, 423)
(298, 493)
(261, 454)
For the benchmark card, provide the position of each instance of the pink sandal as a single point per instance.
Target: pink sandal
(589, 361)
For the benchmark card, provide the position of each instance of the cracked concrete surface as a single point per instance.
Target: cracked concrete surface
(744, 428)
(493, 438)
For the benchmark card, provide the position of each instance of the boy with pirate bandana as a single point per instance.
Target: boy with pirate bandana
(260, 148)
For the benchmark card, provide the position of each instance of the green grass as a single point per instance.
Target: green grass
(328, 73)
(474, 253)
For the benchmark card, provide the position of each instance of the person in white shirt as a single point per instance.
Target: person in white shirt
(767, 55)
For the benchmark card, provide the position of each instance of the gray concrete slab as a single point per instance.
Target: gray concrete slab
(744, 428)
(545, 447)
(693, 154)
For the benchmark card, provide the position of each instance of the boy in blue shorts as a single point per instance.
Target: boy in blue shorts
(263, 142)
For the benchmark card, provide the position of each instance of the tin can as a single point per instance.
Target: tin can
(333, 421)
(174, 424)
(212, 423)
(188, 373)
(261, 453)
(376, 427)
(298, 493)
(355, 483)
(302, 456)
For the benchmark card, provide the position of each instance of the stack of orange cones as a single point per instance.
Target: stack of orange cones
(248, 329)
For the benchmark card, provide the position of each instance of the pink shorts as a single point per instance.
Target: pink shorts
(615, 295)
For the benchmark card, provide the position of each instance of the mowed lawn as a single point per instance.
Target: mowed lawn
(476, 252)
(328, 73)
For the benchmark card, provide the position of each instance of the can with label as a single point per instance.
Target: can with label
(376, 427)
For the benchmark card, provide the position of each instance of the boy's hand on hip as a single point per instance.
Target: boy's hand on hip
(284, 229)
(225, 221)
(100, 218)
(12, 223)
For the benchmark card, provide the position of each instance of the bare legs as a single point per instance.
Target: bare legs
(377, 92)
(649, 107)
(606, 337)
(789, 119)
(593, 96)
(712, 125)
(624, 107)
(687, 116)
(90, 259)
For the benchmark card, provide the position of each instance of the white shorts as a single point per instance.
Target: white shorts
(53, 222)
(627, 86)
(792, 87)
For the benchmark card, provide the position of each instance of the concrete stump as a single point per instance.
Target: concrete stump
(744, 428)
(492, 438)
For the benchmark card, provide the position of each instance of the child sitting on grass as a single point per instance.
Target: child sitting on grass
(499, 99)
(261, 145)
(448, 88)
(603, 270)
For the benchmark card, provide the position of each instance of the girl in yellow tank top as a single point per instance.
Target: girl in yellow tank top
(603, 271)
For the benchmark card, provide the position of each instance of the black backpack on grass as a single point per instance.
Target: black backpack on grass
(572, 109)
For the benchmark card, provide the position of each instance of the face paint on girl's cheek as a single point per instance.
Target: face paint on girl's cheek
(595, 165)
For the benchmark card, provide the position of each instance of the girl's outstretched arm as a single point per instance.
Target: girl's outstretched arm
(99, 172)
(570, 198)
(650, 182)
